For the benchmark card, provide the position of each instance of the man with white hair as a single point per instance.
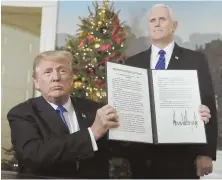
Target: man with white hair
(175, 161)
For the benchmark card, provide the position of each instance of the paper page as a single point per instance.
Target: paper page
(177, 101)
(127, 91)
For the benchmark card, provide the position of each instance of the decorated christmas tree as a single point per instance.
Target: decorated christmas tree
(100, 38)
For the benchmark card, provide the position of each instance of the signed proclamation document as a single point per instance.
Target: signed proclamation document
(155, 106)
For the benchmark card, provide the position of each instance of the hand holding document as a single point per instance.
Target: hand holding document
(155, 106)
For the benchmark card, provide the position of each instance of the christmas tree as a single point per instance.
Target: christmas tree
(100, 38)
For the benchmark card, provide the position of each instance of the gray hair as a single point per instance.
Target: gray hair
(51, 55)
(165, 6)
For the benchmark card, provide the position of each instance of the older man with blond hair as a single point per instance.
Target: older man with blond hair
(188, 161)
(56, 135)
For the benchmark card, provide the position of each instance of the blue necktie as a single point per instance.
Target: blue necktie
(60, 109)
(161, 62)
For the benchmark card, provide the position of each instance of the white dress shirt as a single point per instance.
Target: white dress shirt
(72, 122)
(155, 55)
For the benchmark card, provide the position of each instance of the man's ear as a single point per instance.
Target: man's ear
(72, 78)
(36, 83)
(175, 25)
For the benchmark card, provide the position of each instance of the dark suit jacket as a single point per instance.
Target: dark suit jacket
(44, 146)
(187, 60)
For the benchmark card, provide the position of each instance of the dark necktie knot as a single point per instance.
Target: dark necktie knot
(162, 53)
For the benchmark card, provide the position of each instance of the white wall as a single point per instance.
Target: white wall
(48, 20)
(19, 47)
(28, 27)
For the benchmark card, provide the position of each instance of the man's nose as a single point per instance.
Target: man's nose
(55, 76)
(157, 23)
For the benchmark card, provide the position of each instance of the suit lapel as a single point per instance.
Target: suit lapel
(50, 116)
(80, 115)
(175, 57)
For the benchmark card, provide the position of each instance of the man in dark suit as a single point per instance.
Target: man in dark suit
(175, 161)
(56, 135)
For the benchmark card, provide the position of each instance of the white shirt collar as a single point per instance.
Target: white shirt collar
(68, 105)
(168, 49)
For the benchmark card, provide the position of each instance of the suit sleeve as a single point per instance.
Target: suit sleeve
(34, 151)
(208, 99)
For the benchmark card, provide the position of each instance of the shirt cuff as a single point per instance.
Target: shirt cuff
(95, 147)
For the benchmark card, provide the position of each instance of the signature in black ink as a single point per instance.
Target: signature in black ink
(184, 121)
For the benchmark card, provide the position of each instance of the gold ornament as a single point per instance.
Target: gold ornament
(97, 45)
(94, 60)
(83, 79)
(103, 93)
(101, 68)
(78, 84)
(99, 23)
(93, 96)
(98, 93)
(75, 77)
